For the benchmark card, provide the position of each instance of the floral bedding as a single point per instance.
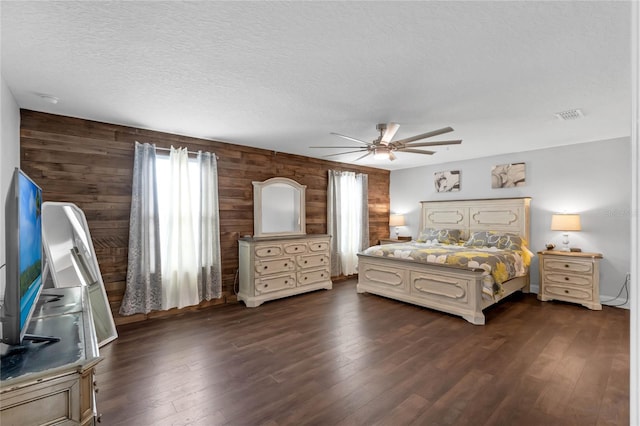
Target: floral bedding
(499, 265)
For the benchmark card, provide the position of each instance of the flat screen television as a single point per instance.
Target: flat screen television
(23, 232)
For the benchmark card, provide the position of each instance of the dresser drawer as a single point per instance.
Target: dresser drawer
(312, 277)
(268, 251)
(568, 292)
(572, 279)
(569, 266)
(319, 246)
(295, 248)
(275, 266)
(312, 260)
(277, 283)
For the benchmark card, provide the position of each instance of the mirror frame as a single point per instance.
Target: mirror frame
(258, 188)
(58, 232)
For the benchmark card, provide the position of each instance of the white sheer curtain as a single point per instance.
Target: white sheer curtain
(174, 254)
(143, 292)
(348, 219)
(180, 264)
(209, 267)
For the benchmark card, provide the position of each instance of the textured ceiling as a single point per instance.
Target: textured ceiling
(283, 75)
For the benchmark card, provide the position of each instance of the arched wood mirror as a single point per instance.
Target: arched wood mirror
(278, 208)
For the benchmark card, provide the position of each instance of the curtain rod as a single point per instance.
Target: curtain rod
(188, 152)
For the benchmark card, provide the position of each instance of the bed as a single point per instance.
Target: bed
(448, 284)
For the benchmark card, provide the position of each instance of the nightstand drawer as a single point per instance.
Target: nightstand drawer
(569, 266)
(570, 293)
(572, 279)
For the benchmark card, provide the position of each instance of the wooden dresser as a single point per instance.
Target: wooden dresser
(275, 267)
(570, 277)
(52, 383)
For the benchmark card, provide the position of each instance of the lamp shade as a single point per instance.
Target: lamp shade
(396, 220)
(565, 222)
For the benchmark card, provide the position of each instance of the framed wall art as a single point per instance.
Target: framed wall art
(448, 181)
(508, 175)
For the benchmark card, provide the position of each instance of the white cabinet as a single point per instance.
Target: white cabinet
(571, 277)
(276, 267)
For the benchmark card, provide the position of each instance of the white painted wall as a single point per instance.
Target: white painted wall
(9, 159)
(592, 179)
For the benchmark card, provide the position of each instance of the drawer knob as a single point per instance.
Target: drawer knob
(269, 251)
(286, 282)
(566, 266)
(305, 278)
(296, 249)
(305, 262)
(285, 264)
(566, 291)
(265, 267)
(566, 278)
(266, 285)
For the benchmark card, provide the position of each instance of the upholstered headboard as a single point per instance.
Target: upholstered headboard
(500, 214)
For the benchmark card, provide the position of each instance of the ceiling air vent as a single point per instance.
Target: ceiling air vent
(571, 114)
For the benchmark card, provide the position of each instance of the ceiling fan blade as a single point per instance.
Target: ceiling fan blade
(360, 158)
(336, 147)
(351, 139)
(424, 135)
(414, 145)
(348, 152)
(416, 151)
(389, 133)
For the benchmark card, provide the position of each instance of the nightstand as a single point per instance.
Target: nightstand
(394, 241)
(571, 277)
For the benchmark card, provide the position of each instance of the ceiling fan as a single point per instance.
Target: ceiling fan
(383, 147)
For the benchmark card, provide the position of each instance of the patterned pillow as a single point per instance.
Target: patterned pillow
(495, 239)
(444, 236)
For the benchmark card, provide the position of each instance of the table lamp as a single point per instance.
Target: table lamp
(565, 223)
(396, 220)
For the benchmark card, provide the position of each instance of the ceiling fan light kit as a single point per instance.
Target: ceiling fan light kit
(384, 147)
(382, 153)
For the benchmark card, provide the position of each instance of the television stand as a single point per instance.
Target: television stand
(49, 382)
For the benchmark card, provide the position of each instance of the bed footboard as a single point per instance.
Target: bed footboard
(444, 288)
(447, 289)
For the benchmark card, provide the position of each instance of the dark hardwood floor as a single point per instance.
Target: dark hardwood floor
(339, 358)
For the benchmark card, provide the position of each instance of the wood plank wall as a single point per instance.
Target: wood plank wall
(90, 164)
